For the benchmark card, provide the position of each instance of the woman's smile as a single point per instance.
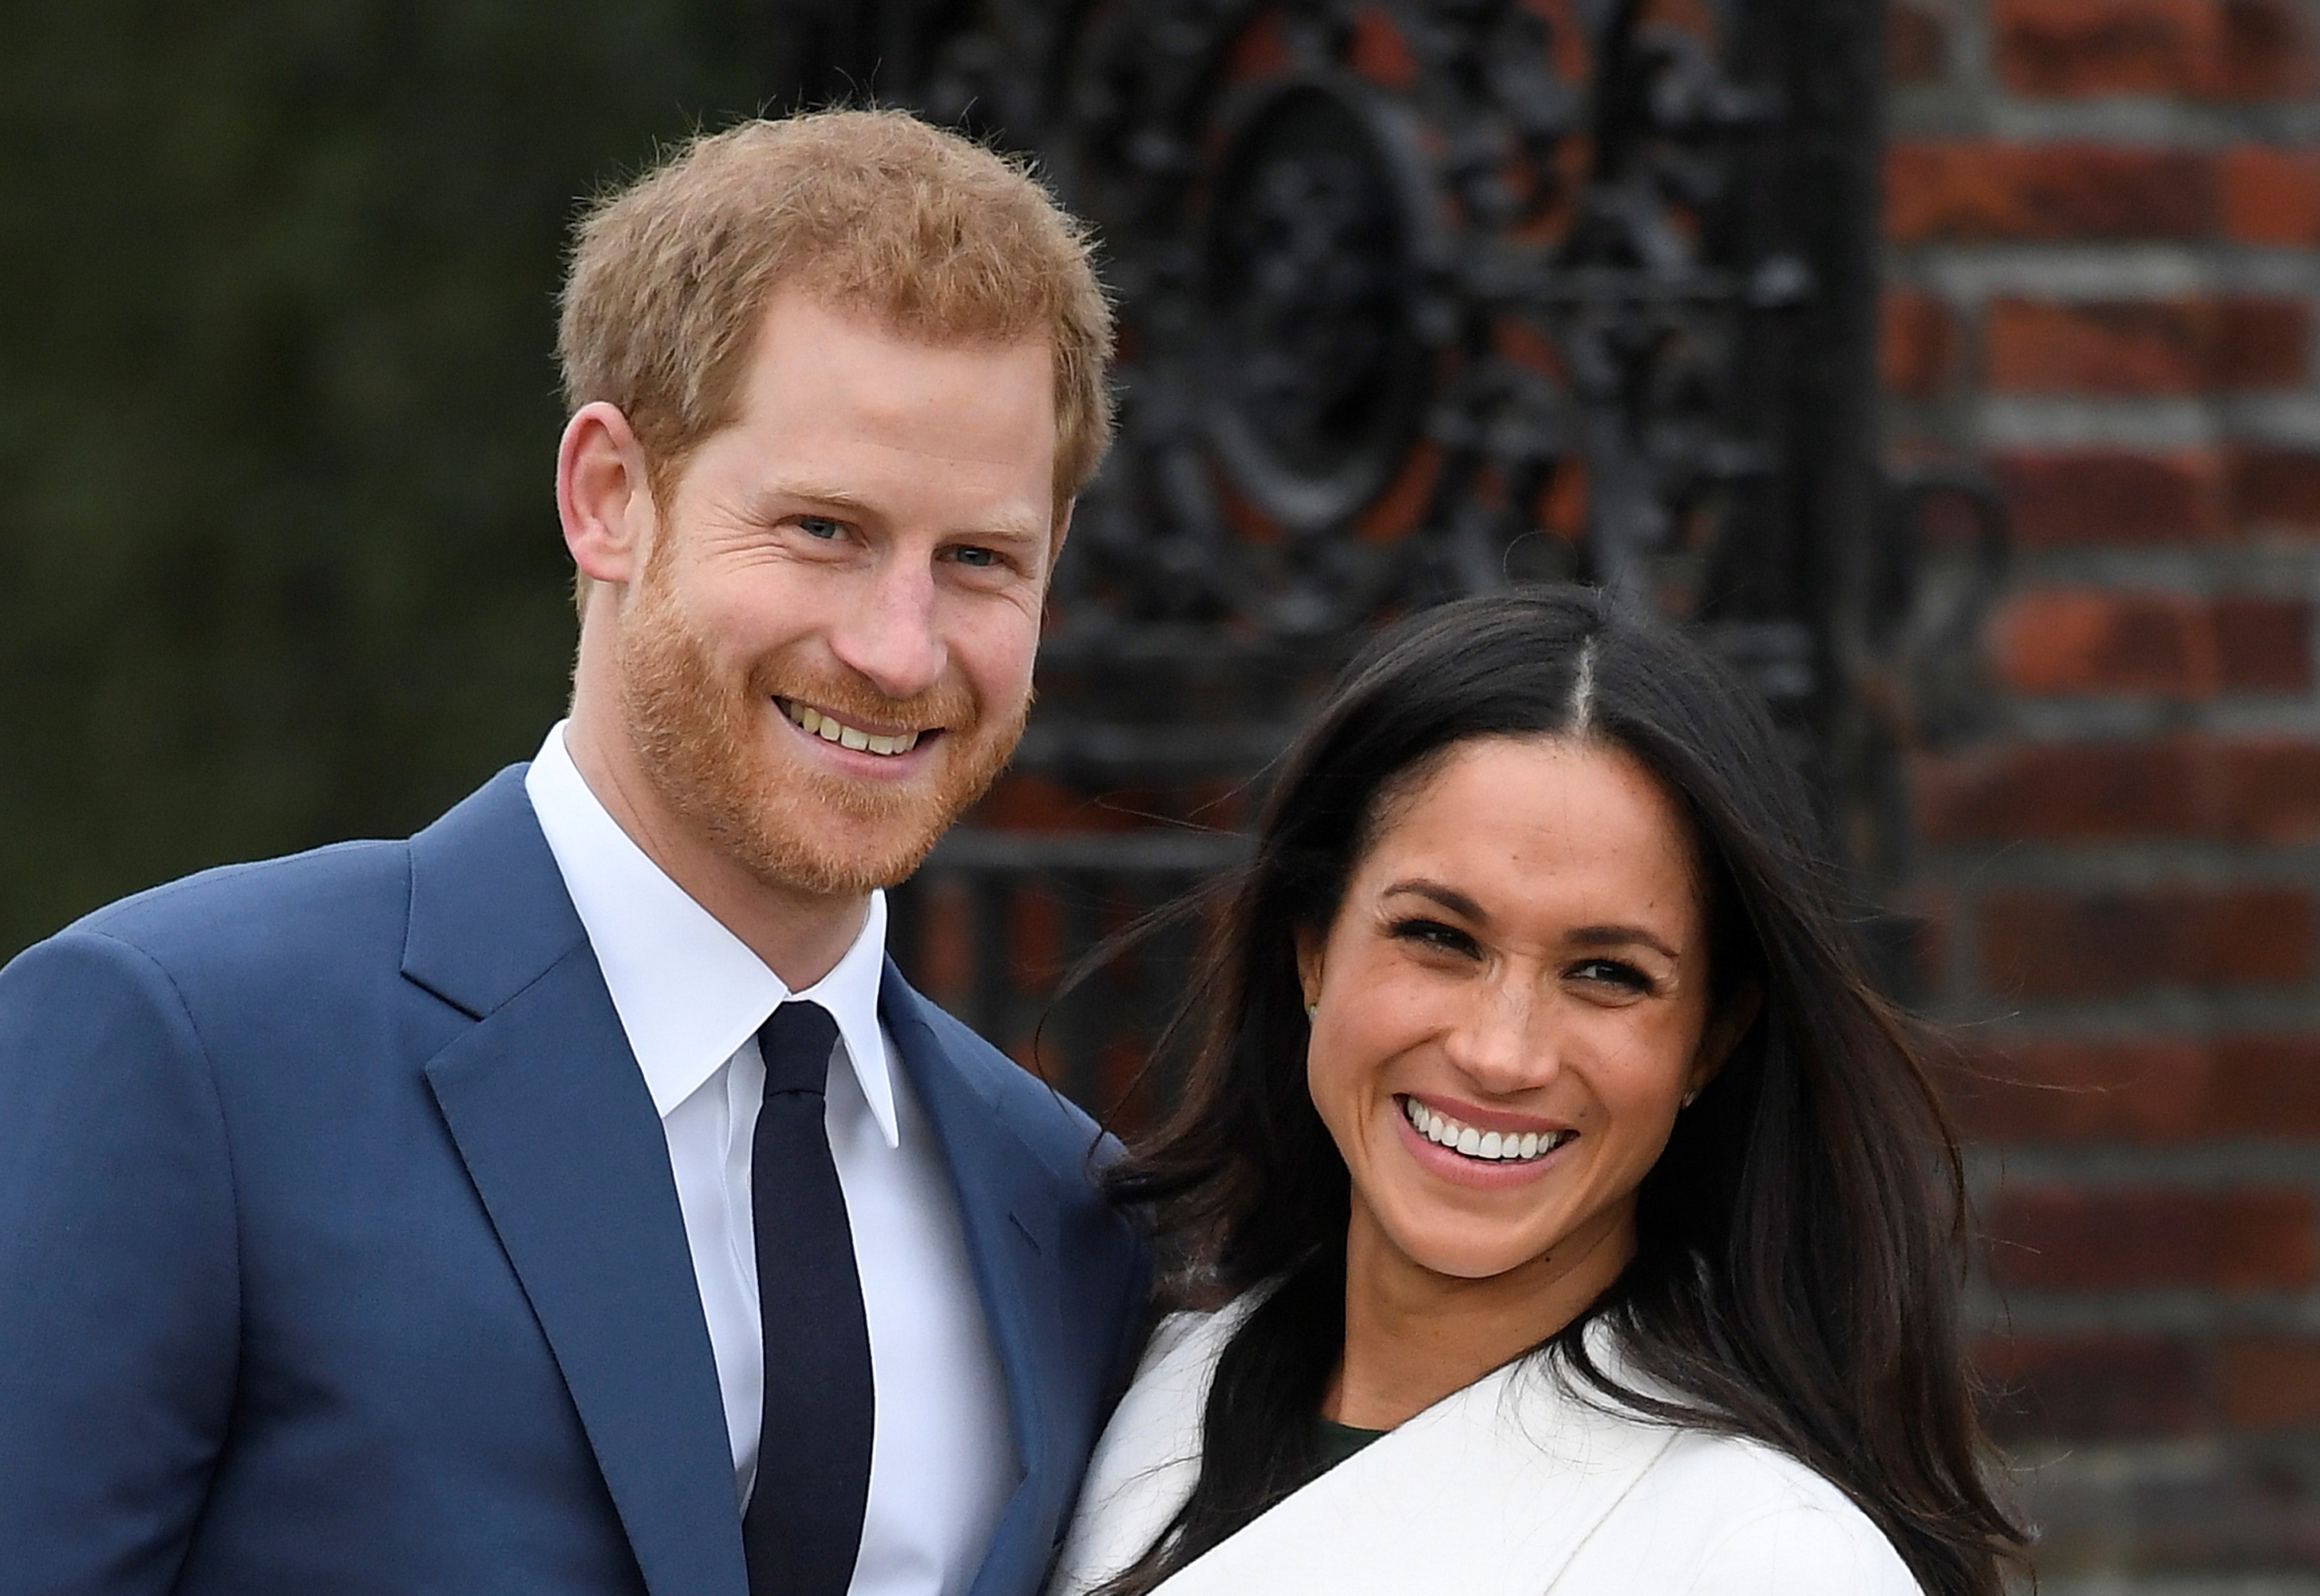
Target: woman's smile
(1452, 1142)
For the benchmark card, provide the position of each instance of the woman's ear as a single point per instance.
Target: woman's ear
(1311, 945)
(1724, 1028)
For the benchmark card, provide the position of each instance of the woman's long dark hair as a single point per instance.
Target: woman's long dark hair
(1801, 1240)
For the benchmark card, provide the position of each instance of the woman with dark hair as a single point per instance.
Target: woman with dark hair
(1582, 1218)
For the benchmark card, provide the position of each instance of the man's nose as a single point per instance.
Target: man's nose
(888, 634)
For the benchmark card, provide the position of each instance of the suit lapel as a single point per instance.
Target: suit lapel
(1008, 1212)
(558, 1134)
(1505, 1478)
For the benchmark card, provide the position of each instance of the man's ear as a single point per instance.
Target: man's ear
(1724, 1028)
(603, 494)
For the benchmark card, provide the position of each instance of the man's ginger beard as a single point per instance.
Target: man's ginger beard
(703, 739)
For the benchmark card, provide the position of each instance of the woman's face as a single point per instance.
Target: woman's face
(1512, 1007)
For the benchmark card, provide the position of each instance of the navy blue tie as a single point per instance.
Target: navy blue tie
(803, 1525)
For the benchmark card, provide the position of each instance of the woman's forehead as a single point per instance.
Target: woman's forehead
(1546, 822)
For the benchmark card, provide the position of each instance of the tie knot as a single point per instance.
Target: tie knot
(795, 1044)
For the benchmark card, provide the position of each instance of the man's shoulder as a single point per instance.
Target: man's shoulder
(296, 902)
(295, 913)
(1067, 1141)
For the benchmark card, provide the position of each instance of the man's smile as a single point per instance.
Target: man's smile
(830, 729)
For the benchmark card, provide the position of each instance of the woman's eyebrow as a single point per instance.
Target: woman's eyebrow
(1449, 897)
(1460, 905)
(1620, 936)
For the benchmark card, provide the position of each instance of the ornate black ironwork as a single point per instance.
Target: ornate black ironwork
(1421, 298)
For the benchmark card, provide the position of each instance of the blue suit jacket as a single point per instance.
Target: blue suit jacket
(340, 1251)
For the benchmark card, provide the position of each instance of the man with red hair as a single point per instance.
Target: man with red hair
(573, 1198)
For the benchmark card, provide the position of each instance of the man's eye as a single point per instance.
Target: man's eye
(820, 526)
(977, 558)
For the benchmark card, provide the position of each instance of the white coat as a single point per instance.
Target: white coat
(1514, 1486)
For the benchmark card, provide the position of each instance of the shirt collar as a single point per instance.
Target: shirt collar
(688, 992)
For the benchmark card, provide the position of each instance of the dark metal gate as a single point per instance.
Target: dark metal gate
(1421, 298)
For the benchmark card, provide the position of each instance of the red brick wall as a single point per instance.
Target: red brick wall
(2103, 218)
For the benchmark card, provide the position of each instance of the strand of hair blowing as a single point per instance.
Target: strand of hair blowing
(1800, 1242)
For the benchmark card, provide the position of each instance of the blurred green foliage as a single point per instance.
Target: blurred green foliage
(278, 555)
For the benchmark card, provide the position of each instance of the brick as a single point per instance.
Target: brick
(1035, 948)
(2226, 789)
(2140, 1089)
(2247, 790)
(2270, 195)
(1916, 45)
(2034, 345)
(2267, 791)
(2212, 48)
(2164, 645)
(2130, 1089)
(2095, 47)
(2073, 1239)
(2260, 343)
(2266, 1086)
(941, 955)
(1917, 343)
(1970, 192)
(2046, 944)
(2263, 644)
(2069, 497)
(2267, 51)
(1021, 801)
(2270, 1383)
(2063, 792)
(2055, 641)
(2274, 489)
(2095, 1387)
(2177, 346)
(2233, 1513)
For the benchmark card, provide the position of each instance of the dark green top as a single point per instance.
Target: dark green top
(1341, 1441)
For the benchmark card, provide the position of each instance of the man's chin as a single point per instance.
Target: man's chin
(832, 854)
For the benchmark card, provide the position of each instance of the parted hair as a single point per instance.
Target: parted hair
(1800, 1242)
(935, 236)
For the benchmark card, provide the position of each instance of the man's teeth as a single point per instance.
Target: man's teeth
(845, 736)
(1504, 1147)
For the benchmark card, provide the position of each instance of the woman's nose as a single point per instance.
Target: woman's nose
(1505, 1043)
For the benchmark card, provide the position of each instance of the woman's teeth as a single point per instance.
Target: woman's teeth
(851, 737)
(1493, 1145)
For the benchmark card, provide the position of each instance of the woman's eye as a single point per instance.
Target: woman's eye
(1612, 972)
(1433, 933)
(820, 526)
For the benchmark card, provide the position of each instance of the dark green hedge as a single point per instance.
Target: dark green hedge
(278, 557)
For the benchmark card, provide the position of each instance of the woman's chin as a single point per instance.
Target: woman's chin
(1458, 1248)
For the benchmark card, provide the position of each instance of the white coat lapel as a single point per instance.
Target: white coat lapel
(1489, 1493)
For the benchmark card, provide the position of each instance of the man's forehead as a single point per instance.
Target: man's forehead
(876, 316)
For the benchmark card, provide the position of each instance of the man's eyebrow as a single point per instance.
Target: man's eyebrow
(1009, 528)
(809, 493)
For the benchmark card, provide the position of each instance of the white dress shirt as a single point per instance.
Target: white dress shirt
(691, 997)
